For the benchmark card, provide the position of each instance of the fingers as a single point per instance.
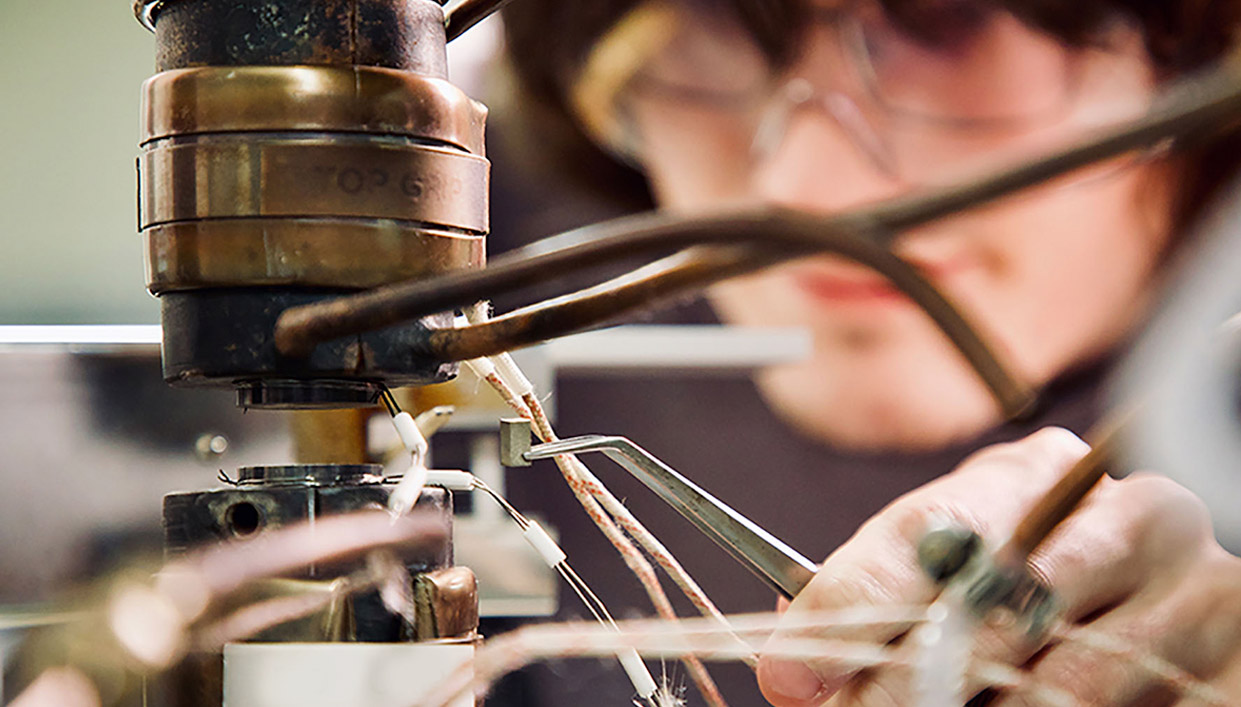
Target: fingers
(1139, 563)
(1099, 559)
(1136, 554)
(1160, 648)
(879, 565)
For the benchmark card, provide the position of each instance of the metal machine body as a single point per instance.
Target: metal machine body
(295, 151)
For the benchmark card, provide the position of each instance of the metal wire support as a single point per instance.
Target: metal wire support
(1197, 106)
(303, 326)
(695, 268)
(464, 14)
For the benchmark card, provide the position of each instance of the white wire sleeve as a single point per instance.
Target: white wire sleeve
(482, 368)
(451, 479)
(544, 545)
(406, 493)
(410, 435)
(512, 376)
(641, 678)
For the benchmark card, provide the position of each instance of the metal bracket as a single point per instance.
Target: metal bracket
(515, 438)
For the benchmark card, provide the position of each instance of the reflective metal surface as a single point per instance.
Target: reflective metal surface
(356, 99)
(782, 567)
(337, 253)
(319, 176)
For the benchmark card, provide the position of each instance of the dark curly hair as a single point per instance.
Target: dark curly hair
(548, 40)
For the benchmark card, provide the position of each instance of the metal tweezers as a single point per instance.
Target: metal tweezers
(782, 567)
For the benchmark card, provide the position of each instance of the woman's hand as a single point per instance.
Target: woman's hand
(1137, 562)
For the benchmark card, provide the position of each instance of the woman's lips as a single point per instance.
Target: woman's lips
(839, 289)
(842, 285)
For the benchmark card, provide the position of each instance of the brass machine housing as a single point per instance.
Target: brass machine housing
(293, 152)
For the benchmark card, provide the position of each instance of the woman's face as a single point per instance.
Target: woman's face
(1052, 277)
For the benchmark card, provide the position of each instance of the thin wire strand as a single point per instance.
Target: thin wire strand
(1172, 675)
(600, 616)
(703, 638)
(632, 557)
(591, 593)
(522, 521)
(389, 400)
(579, 586)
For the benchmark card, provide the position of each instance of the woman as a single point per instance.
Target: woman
(825, 105)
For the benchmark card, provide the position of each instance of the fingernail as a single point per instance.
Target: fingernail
(790, 679)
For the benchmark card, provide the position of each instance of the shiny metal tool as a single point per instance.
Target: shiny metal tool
(948, 554)
(782, 567)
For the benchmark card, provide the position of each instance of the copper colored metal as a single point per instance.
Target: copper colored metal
(308, 176)
(447, 604)
(464, 15)
(294, 150)
(299, 328)
(330, 436)
(1061, 499)
(265, 176)
(356, 99)
(322, 252)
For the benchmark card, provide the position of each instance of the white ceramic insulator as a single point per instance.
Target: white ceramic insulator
(479, 313)
(512, 376)
(451, 479)
(410, 435)
(641, 678)
(482, 368)
(544, 545)
(407, 492)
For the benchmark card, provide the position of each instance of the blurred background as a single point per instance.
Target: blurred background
(69, 250)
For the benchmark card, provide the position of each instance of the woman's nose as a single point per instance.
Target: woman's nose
(810, 162)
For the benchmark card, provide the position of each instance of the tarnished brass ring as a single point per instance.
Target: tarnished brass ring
(319, 177)
(312, 253)
(310, 98)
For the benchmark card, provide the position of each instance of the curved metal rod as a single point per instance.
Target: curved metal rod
(698, 267)
(465, 14)
(1197, 106)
